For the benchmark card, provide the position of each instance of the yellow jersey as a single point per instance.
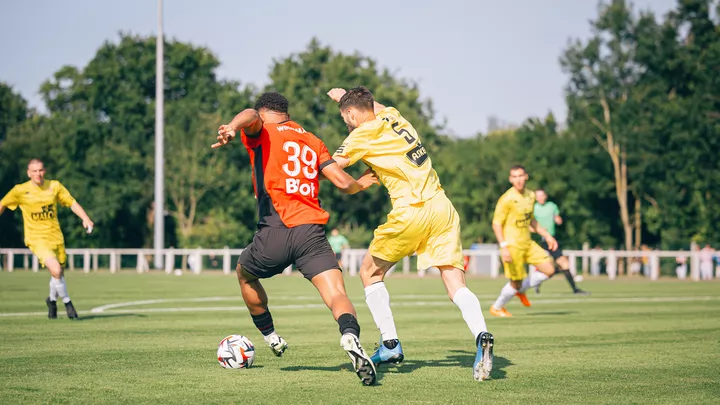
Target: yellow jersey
(390, 146)
(514, 211)
(39, 208)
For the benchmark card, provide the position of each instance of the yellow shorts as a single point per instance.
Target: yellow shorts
(431, 229)
(533, 254)
(45, 250)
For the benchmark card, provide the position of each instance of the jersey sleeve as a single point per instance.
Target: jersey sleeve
(11, 199)
(251, 142)
(389, 112)
(324, 158)
(64, 197)
(556, 210)
(532, 211)
(355, 146)
(502, 209)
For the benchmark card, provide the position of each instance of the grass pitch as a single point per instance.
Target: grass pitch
(152, 339)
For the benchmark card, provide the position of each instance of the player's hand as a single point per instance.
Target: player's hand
(368, 179)
(225, 135)
(505, 255)
(551, 242)
(88, 225)
(336, 94)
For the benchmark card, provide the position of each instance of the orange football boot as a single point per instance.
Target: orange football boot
(524, 299)
(502, 312)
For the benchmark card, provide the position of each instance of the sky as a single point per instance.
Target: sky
(473, 58)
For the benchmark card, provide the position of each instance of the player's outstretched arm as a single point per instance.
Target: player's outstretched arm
(549, 239)
(337, 93)
(10, 200)
(345, 182)
(248, 119)
(497, 228)
(80, 212)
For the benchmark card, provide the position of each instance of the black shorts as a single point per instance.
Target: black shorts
(273, 249)
(555, 254)
(338, 256)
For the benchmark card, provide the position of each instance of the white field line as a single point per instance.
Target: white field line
(104, 308)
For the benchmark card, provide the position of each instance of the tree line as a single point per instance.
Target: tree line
(637, 161)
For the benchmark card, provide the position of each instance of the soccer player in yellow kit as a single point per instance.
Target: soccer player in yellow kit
(512, 223)
(422, 219)
(38, 200)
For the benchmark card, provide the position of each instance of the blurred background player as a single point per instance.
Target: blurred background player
(547, 214)
(338, 243)
(422, 219)
(38, 200)
(706, 262)
(512, 223)
(287, 161)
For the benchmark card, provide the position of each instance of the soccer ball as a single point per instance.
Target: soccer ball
(236, 351)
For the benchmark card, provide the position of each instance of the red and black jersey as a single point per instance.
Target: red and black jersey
(286, 161)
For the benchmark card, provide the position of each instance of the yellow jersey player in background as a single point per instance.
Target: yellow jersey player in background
(512, 223)
(38, 199)
(422, 219)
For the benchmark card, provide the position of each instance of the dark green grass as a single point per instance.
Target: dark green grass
(565, 349)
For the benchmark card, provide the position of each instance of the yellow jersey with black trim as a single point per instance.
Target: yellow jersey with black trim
(39, 209)
(514, 212)
(391, 147)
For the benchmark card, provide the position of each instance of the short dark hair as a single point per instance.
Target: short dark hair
(35, 160)
(518, 167)
(359, 97)
(272, 101)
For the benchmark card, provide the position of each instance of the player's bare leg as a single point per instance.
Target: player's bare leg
(58, 288)
(256, 300)
(543, 271)
(331, 286)
(564, 265)
(372, 273)
(519, 287)
(460, 295)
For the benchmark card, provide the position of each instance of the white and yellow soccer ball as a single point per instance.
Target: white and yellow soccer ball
(236, 351)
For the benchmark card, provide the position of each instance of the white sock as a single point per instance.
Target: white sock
(61, 289)
(533, 280)
(53, 291)
(472, 313)
(506, 295)
(270, 336)
(378, 300)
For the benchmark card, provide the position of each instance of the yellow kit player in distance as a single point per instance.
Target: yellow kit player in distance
(422, 219)
(38, 199)
(512, 223)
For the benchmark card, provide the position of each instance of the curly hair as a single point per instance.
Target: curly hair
(359, 97)
(272, 101)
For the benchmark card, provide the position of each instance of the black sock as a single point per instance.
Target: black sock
(570, 280)
(264, 323)
(348, 324)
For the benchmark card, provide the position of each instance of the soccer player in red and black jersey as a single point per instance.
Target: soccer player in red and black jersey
(287, 162)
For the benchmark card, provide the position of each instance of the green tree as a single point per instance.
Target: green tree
(605, 99)
(13, 113)
(101, 118)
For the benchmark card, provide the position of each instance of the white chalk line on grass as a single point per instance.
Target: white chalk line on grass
(107, 309)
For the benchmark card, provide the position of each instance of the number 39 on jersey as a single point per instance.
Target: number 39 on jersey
(300, 160)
